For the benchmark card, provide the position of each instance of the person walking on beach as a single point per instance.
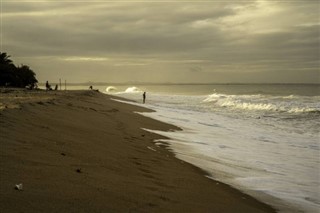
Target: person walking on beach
(144, 97)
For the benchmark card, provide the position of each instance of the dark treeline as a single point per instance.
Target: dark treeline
(15, 76)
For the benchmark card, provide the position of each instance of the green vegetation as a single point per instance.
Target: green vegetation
(13, 76)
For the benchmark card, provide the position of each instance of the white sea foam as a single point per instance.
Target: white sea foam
(289, 104)
(132, 90)
(111, 89)
(265, 145)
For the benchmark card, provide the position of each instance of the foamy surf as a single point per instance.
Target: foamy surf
(132, 90)
(266, 145)
(117, 90)
(291, 104)
(111, 89)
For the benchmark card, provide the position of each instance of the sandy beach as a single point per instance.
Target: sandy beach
(80, 151)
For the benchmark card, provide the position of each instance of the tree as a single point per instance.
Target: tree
(13, 76)
(7, 68)
(4, 59)
(25, 77)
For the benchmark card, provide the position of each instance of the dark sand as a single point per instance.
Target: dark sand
(79, 151)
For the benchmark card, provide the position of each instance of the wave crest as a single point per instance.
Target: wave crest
(132, 90)
(111, 89)
(262, 102)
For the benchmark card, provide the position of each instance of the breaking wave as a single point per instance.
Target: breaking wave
(132, 90)
(290, 104)
(128, 90)
(111, 89)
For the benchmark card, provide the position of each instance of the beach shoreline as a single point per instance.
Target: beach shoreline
(80, 151)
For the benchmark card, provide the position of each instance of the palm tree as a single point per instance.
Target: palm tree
(13, 76)
(4, 59)
(7, 70)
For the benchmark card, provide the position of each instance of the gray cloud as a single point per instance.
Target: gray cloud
(231, 41)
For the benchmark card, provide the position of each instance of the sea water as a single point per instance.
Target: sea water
(261, 139)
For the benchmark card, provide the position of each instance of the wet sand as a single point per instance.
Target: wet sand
(80, 151)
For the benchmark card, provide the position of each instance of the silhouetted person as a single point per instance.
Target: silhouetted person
(144, 97)
(48, 87)
(90, 87)
(56, 87)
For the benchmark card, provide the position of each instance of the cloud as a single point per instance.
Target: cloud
(172, 38)
(195, 69)
(84, 59)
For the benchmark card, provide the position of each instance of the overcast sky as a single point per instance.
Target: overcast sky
(272, 41)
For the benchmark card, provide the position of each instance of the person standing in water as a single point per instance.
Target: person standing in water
(144, 97)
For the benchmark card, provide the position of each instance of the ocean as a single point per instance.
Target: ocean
(261, 139)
